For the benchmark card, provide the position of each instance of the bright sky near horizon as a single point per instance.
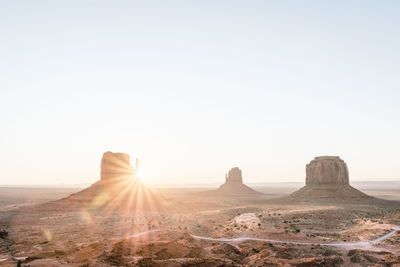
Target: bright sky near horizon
(194, 88)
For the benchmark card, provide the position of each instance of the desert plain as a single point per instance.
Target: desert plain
(203, 231)
(119, 221)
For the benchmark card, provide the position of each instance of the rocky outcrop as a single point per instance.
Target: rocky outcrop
(119, 189)
(327, 179)
(233, 186)
(115, 165)
(234, 176)
(327, 170)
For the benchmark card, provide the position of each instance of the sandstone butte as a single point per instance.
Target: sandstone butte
(327, 179)
(117, 165)
(119, 188)
(233, 186)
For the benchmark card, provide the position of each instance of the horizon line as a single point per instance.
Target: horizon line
(179, 184)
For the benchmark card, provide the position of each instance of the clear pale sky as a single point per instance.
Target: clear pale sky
(194, 88)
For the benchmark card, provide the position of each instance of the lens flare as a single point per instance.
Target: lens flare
(140, 175)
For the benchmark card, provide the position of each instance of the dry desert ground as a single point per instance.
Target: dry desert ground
(203, 231)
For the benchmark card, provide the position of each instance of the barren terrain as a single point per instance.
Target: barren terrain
(208, 232)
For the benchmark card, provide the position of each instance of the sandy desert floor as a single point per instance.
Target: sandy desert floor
(208, 232)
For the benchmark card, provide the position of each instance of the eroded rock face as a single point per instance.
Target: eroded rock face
(234, 176)
(327, 170)
(115, 165)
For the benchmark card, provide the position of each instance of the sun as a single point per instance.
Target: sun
(140, 175)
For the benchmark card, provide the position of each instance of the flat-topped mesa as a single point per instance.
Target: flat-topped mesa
(327, 170)
(116, 165)
(234, 176)
(327, 180)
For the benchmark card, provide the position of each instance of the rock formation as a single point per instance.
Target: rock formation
(327, 179)
(233, 186)
(327, 170)
(234, 176)
(114, 165)
(119, 188)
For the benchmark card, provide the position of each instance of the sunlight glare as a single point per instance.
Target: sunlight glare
(140, 175)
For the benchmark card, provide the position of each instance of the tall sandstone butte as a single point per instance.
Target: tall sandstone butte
(115, 165)
(233, 186)
(234, 176)
(327, 179)
(327, 170)
(119, 189)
